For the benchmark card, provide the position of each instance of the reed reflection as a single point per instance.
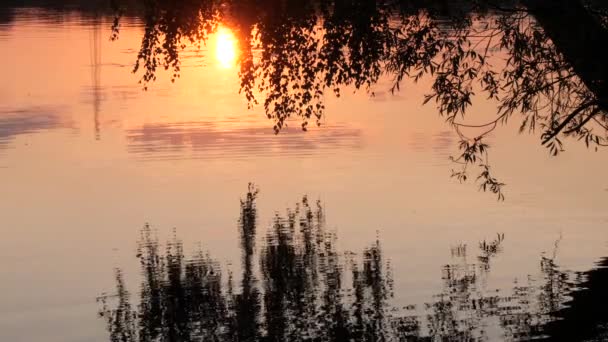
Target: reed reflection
(306, 290)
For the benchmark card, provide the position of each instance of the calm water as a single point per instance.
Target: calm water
(87, 159)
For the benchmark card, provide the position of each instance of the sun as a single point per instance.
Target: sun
(225, 47)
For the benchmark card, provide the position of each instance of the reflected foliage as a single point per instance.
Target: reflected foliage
(297, 286)
(517, 53)
(521, 54)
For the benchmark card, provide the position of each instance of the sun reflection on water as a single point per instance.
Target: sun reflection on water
(225, 47)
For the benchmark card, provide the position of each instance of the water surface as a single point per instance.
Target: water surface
(88, 158)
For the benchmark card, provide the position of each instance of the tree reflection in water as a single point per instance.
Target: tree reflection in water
(520, 54)
(305, 290)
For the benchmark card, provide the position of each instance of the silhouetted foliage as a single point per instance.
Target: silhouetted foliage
(308, 291)
(518, 53)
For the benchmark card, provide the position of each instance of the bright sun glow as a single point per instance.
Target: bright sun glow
(225, 47)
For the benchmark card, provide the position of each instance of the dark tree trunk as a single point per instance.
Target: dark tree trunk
(580, 37)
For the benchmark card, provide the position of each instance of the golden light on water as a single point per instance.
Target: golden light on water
(225, 47)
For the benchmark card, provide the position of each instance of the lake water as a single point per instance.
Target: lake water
(87, 158)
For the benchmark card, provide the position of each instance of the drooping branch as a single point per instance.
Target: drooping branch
(584, 121)
(550, 135)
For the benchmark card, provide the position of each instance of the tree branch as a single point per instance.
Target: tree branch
(569, 118)
(579, 126)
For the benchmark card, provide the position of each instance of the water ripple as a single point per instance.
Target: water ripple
(195, 140)
(15, 122)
